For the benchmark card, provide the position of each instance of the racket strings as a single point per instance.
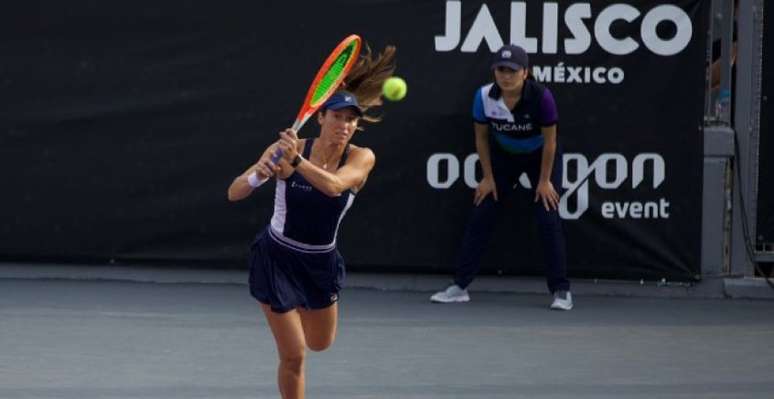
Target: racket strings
(333, 76)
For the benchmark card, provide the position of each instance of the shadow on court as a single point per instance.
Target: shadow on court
(107, 339)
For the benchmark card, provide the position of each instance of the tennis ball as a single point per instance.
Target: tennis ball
(394, 88)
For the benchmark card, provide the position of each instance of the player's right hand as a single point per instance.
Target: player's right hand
(485, 187)
(288, 142)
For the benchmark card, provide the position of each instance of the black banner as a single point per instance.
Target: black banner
(123, 125)
(765, 225)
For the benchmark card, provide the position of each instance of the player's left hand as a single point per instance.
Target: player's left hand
(545, 192)
(289, 144)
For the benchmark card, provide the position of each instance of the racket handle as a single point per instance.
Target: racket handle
(278, 152)
(276, 156)
(296, 126)
(274, 159)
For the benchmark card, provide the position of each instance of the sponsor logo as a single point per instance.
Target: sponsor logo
(512, 127)
(609, 171)
(301, 186)
(568, 28)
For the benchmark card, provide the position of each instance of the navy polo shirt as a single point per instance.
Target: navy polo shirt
(516, 131)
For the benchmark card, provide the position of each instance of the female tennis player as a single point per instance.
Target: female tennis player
(296, 271)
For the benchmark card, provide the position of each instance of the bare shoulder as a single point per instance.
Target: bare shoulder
(363, 159)
(361, 156)
(363, 153)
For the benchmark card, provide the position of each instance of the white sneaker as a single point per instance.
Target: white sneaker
(452, 294)
(562, 300)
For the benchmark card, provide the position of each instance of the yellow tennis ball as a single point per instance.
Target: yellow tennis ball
(394, 88)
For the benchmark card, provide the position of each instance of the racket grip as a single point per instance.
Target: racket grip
(297, 124)
(256, 182)
(276, 156)
(274, 159)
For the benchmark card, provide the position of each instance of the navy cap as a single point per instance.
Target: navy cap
(511, 56)
(343, 99)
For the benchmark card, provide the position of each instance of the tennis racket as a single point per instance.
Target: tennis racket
(328, 78)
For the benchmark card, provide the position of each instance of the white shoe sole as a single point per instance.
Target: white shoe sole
(435, 299)
(561, 307)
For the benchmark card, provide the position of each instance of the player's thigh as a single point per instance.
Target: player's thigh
(319, 326)
(288, 333)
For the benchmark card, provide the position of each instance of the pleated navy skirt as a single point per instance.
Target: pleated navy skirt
(285, 278)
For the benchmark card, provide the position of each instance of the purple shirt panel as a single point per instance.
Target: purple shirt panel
(548, 113)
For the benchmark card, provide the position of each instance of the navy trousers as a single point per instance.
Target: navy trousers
(506, 169)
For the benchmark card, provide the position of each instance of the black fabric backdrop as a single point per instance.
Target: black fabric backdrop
(765, 226)
(123, 123)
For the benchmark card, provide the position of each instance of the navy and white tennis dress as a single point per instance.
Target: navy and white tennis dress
(294, 261)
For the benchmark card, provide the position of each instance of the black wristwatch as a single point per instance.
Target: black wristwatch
(297, 160)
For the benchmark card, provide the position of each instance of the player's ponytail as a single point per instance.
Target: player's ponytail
(366, 78)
